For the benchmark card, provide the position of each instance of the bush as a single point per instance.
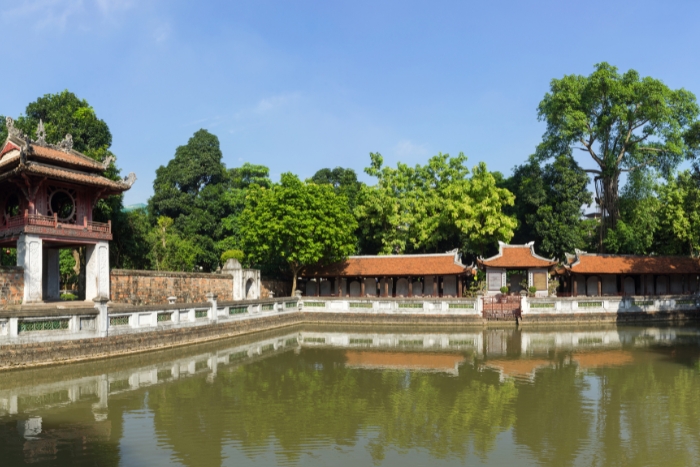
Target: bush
(235, 254)
(532, 290)
(68, 296)
(504, 290)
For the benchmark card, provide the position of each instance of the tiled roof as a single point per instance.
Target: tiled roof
(392, 265)
(588, 263)
(59, 173)
(7, 148)
(70, 158)
(517, 256)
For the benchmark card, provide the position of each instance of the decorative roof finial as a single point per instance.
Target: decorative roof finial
(107, 161)
(40, 133)
(130, 179)
(67, 143)
(11, 129)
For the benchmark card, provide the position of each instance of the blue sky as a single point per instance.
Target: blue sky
(301, 85)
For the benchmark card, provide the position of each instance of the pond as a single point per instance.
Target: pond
(350, 396)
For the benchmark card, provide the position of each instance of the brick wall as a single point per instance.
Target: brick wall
(11, 285)
(154, 287)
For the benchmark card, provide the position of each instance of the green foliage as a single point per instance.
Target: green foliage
(8, 257)
(67, 268)
(504, 290)
(679, 216)
(548, 203)
(302, 224)
(169, 251)
(242, 178)
(344, 182)
(232, 254)
(639, 216)
(191, 191)
(532, 289)
(130, 247)
(68, 297)
(622, 121)
(432, 207)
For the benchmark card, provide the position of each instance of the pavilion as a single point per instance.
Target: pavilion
(514, 265)
(426, 275)
(47, 195)
(601, 274)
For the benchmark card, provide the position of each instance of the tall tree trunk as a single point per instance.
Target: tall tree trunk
(609, 203)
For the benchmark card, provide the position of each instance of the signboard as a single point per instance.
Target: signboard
(494, 280)
(540, 280)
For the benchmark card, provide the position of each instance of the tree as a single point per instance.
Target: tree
(548, 205)
(302, 223)
(622, 121)
(170, 251)
(437, 206)
(190, 190)
(344, 182)
(241, 179)
(679, 216)
(638, 225)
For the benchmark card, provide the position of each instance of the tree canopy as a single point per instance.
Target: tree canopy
(432, 207)
(549, 204)
(622, 121)
(301, 223)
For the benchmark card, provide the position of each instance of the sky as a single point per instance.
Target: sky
(301, 85)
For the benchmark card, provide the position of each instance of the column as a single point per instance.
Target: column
(52, 274)
(459, 287)
(29, 257)
(574, 285)
(600, 286)
(97, 271)
(362, 287)
(436, 289)
(339, 286)
(410, 286)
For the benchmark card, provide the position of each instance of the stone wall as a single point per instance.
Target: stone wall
(278, 288)
(11, 285)
(154, 287)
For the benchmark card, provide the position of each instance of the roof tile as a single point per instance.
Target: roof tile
(392, 265)
(517, 256)
(588, 263)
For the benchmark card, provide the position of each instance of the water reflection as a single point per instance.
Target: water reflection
(312, 395)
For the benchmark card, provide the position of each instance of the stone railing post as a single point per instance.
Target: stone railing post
(14, 327)
(103, 315)
(214, 309)
(524, 304)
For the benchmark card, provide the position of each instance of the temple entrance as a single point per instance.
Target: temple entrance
(502, 307)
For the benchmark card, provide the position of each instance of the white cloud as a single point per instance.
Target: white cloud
(406, 149)
(274, 102)
(59, 14)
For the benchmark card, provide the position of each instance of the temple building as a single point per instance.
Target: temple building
(517, 266)
(47, 195)
(428, 275)
(601, 274)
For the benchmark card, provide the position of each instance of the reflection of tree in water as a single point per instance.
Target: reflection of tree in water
(312, 398)
(551, 418)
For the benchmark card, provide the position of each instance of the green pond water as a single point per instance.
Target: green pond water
(366, 396)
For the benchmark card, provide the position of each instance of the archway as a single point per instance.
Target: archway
(249, 289)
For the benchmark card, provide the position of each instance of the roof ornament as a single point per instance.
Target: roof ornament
(67, 144)
(11, 129)
(40, 133)
(107, 161)
(130, 179)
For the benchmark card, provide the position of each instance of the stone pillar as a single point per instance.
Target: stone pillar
(459, 287)
(214, 309)
(600, 286)
(52, 274)
(362, 287)
(338, 286)
(410, 286)
(29, 257)
(574, 285)
(102, 322)
(97, 270)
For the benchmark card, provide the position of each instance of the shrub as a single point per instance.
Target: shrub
(68, 296)
(235, 254)
(504, 290)
(532, 290)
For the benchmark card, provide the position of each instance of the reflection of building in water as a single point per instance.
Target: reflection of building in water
(600, 359)
(472, 341)
(436, 362)
(518, 368)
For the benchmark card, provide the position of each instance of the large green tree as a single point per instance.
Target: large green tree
(548, 205)
(679, 216)
(441, 205)
(300, 223)
(190, 190)
(622, 121)
(344, 182)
